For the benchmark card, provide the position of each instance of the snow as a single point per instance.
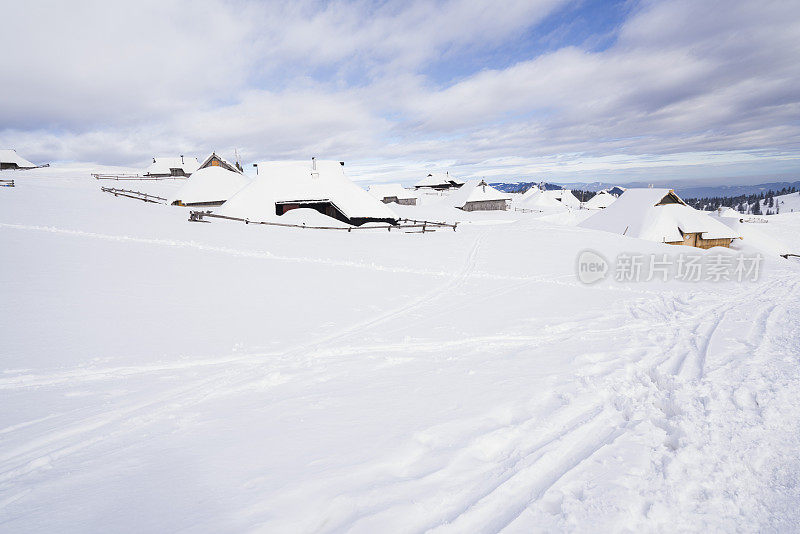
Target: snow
(434, 179)
(601, 200)
(568, 198)
(786, 203)
(381, 191)
(757, 236)
(296, 181)
(162, 375)
(545, 200)
(729, 212)
(9, 155)
(163, 165)
(475, 191)
(635, 214)
(211, 184)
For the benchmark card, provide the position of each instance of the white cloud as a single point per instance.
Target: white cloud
(121, 82)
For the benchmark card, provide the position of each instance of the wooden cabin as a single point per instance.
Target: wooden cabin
(284, 186)
(11, 161)
(477, 195)
(660, 215)
(176, 167)
(217, 161)
(439, 182)
(394, 193)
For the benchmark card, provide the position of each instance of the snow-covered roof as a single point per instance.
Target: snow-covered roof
(438, 179)
(640, 213)
(567, 197)
(542, 199)
(9, 155)
(212, 184)
(601, 200)
(475, 191)
(729, 212)
(303, 182)
(532, 192)
(221, 162)
(162, 165)
(381, 191)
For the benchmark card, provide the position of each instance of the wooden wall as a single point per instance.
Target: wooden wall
(486, 205)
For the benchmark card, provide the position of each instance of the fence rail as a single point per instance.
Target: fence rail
(136, 177)
(404, 225)
(138, 195)
(7, 183)
(528, 210)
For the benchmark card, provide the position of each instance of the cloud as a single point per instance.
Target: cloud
(79, 65)
(118, 83)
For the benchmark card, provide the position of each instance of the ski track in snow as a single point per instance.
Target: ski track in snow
(565, 280)
(257, 253)
(645, 393)
(493, 476)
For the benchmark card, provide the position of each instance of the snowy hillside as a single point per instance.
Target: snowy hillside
(784, 203)
(160, 375)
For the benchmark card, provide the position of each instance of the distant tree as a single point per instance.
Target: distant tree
(757, 208)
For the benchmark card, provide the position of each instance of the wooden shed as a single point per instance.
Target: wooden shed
(217, 161)
(439, 182)
(660, 215)
(394, 193)
(10, 160)
(477, 195)
(319, 185)
(209, 187)
(177, 167)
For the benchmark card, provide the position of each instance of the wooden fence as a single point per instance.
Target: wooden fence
(527, 210)
(136, 177)
(138, 195)
(405, 225)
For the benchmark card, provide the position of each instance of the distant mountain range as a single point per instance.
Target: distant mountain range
(690, 191)
(519, 187)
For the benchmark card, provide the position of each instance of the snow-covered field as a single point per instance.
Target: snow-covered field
(158, 375)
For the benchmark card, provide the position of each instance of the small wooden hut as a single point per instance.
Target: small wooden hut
(660, 215)
(218, 161)
(283, 186)
(177, 167)
(477, 195)
(388, 193)
(209, 187)
(439, 182)
(10, 160)
(600, 201)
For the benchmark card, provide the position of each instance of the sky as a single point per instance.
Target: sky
(560, 90)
